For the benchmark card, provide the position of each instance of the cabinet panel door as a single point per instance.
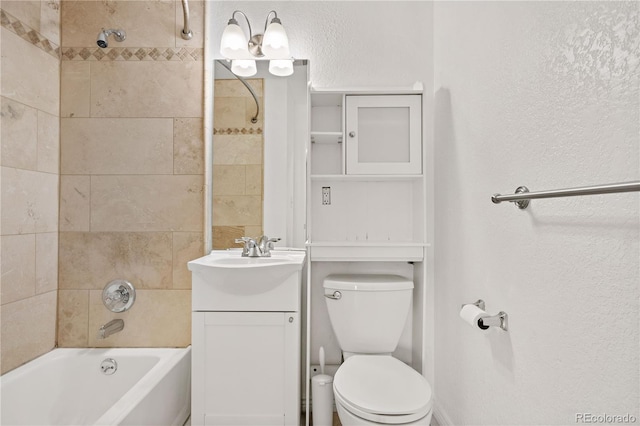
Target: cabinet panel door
(250, 368)
(384, 134)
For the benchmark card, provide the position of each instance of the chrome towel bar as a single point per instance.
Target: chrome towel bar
(522, 196)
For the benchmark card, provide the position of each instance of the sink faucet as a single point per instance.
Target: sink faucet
(110, 328)
(262, 248)
(265, 244)
(250, 248)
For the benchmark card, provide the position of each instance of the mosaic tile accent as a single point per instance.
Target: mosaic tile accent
(27, 33)
(236, 131)
(132, 54)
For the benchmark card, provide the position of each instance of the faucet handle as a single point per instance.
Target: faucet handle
(250, 246)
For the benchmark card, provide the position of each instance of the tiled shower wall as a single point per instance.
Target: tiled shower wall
(29, 189)
(131, 184)
(238, 159)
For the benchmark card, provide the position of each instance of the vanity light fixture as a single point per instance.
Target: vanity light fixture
(273, 45)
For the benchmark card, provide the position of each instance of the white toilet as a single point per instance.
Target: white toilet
(368, 314)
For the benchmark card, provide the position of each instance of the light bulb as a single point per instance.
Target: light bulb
(233, 43)
(281, 67)
(244, 67)
(275, 44)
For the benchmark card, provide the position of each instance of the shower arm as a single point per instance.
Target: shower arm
(186, 32)
(254, 119)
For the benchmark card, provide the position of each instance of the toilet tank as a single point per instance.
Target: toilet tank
(368, 312)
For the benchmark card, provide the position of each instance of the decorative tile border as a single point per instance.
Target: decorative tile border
(236, 131)
(132, 54)
(21, 29)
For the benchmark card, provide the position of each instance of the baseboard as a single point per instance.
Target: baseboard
(441, 416)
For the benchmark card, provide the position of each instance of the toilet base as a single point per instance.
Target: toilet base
(349, 419)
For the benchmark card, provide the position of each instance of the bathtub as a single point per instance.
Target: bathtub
(68, 387)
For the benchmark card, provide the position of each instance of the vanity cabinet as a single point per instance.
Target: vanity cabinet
(248, 365)
(246, 338)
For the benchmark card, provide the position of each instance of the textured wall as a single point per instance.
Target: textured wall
(30, 162)
(542, 94)
(131, 169)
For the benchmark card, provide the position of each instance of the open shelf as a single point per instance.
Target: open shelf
(349, 251)
(364, 178)
(326, 137)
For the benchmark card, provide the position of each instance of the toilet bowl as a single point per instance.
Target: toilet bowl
(367, 314)
(371, 389)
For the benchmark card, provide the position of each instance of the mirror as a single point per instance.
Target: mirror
(258, 181)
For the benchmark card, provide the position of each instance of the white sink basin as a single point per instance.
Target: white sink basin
(223, 280)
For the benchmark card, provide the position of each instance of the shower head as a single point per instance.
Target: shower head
(103, 37)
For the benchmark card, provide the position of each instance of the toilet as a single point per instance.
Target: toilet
(368, 314)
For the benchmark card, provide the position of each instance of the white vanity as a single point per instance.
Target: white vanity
(246, 338)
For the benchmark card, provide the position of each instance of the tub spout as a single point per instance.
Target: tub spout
(110, 328)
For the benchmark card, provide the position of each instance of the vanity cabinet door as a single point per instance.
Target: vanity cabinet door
(383, 134)
(249, 369)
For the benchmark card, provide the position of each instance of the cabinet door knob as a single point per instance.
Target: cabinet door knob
(290, 319)
(352, 134)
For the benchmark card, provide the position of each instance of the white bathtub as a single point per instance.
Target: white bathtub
(68, 387)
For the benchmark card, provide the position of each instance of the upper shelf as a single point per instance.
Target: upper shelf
(365, 178)
(326, 137)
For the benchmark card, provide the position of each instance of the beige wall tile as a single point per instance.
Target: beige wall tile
(27, 329)
(224, 236)
(188, 146)
(196, 24)
(233, 88)
(19, 132)
(229, 180)
(18, 267)
(75, 195)
(147, 23)
(253, 231)
(29, 202)
(50, 20)
(237, 210)
(48, 143)
(254, 180)
(46, 262)
(158, 318)
(75, 89)
(230, 113)
(89, 260)
(73, 318)
(147, 203)
(29, 75)
(117, 146)
(25, 10)
(237, 149)
(171, 89)
(186, 246)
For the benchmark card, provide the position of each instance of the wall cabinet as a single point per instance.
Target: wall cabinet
(383, 134)
(365, 185)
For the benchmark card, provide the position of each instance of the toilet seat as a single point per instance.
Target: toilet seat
(382, 389)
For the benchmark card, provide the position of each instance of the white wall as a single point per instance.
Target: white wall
(542, 94)
(350, 44)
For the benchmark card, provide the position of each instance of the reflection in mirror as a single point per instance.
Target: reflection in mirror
(255, 141)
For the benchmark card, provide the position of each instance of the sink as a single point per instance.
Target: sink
(225, 281)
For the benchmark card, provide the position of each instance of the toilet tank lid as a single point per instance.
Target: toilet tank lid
(367, 282)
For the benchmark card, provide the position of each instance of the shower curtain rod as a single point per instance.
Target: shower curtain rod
(522, 195)
(254, 119)
(186, 32)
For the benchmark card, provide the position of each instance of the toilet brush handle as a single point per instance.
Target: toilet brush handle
(321, 359)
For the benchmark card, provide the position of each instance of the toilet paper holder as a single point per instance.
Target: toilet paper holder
(498, 320)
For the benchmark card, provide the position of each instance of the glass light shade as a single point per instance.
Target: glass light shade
(233, 43)
(281, 67)
(244, 67)
(275, 44)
